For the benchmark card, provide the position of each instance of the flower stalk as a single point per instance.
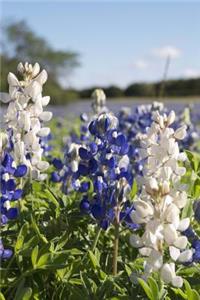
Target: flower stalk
(116, 240)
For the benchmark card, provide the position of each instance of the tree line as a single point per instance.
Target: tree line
(171, 88)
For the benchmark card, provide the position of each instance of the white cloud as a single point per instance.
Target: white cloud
(166, 51)
(192, 73)
(141, 64)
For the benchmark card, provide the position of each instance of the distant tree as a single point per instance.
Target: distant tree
(20, 43)
(86, 93)
(25, 45)
(140, 90)
(113, 91)
(183, 87)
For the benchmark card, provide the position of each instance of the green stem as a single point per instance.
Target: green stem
(96, 239)
(116, 241)
(98, 232)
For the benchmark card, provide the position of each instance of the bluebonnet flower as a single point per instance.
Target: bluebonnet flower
(132, 124)
(158, 206)
(196, 208)
(24, 118)
(10, 192)
(67, 174)
(196, 250)
(135, 123)
(192, 235)
(44, 142)
(4, 253)
(104, 164)
(98, 106)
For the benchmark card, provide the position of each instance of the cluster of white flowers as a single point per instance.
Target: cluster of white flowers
(25, 117)
(162, 197)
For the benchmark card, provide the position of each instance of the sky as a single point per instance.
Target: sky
(119, 42)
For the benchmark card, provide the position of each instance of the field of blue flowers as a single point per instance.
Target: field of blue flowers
(105, 207)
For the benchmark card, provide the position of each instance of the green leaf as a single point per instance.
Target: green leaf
(128, 270)
(36, 186)
(74, 251)
(44, 260)
(62, 241)
(154, 288)
(23, 293)
(86, 283)
(194, 159)
(27, 293)
(179, 292)
(196, 189)
(146, 288)
(51, 196)
(20, 238)
(195, 295)
(188, 289)
(133, 190)
(2, 296)
(93, 259)
(37, 230)
(75, 281)
(188, 271)
(187, 210)
(34, 256)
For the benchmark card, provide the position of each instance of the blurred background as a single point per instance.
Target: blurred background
(133, 50)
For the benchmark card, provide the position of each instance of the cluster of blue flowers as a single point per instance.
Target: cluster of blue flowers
(193, 236)
(45, 145)
(100, 169)
(9, 193)
(105, 163)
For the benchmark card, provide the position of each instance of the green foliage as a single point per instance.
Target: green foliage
(152, 289)
(194, 159)
(61, 254)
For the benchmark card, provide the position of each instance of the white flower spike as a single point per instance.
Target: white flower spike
(25, 117)
(158, 207)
